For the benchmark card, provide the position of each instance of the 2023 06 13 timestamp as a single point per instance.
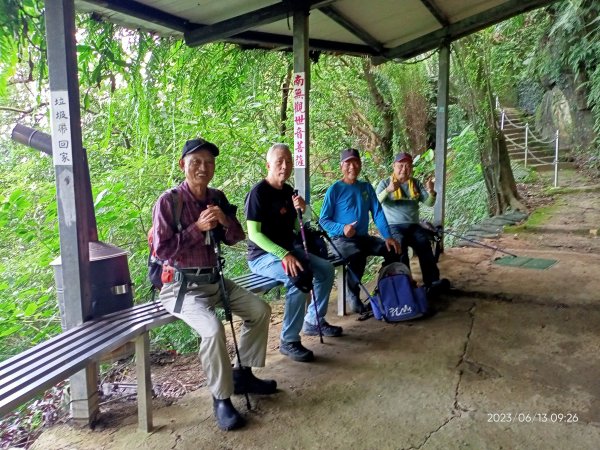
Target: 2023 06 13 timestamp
(524, 417)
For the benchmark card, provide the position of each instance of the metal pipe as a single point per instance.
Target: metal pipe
(32, 138)
(502, 121)
(526, 141)
(41, 141)
(556, 161)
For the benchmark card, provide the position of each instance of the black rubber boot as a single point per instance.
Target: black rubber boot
(245, 382)
(228, 418)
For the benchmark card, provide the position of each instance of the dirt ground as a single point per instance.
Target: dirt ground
(509, 361)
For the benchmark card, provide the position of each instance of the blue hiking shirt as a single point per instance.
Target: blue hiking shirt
(346, 203)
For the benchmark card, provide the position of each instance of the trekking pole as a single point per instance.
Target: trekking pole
(428, 226)
(492, 247)
(312, 291)
(346, 264)
(226, 304)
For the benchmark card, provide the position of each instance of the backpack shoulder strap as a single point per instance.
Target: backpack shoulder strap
(177, 207)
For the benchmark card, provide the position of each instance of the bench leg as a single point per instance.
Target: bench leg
(84, 395)
(341, 285)
(144, 382)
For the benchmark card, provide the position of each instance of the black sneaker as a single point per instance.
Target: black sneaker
(296, 351)
(245, 382)
(328, 330)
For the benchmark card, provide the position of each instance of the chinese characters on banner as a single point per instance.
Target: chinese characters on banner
(61, 129)
(298, 86)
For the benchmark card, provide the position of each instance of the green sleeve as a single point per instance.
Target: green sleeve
(382, 193)
(382, 196)
(430, 199)
(427, 198)
(259, 238)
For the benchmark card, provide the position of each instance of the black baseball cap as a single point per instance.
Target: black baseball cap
(193, 145)
(348, 154)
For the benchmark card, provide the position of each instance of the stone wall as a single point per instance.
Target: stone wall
(564, 107)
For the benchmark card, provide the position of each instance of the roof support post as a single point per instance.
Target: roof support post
(441, 133)
(72, 190)
(301, 91)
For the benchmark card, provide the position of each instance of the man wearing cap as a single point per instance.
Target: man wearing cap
(271, 207)
(400, 195)
(188, 253)
(345, 217)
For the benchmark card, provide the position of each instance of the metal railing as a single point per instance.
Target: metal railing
(529, 135)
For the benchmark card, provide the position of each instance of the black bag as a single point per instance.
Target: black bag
(314, 241)
(304, 280)
(155, 265)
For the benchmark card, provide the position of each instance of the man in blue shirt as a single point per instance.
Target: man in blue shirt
(345, 217)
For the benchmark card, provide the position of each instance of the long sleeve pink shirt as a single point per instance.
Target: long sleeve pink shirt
(189, 247)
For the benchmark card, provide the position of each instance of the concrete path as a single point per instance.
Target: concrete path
(510, 361)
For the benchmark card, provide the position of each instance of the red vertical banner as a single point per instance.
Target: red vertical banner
(298, 86)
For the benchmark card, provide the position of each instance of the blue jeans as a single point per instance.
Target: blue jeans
(295, 312)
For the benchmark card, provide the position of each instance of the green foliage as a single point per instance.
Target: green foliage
(466, 193)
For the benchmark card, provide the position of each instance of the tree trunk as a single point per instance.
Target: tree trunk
(499, 179)
(384, 107)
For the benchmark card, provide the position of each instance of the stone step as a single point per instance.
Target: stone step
(537, 154)
(549, 167)
(536, 160)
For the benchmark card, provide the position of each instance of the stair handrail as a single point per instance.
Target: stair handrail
(504, 118)
(507, 119)
(540, 140)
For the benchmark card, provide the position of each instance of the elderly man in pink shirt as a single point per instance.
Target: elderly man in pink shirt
(191, 280)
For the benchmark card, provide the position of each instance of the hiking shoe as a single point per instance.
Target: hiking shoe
(357, 306)
(228, 418)
(245, 382)
(328, 330)
(437, 288)
(296, 351)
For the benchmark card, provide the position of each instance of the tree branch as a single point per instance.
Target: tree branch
(23, 111)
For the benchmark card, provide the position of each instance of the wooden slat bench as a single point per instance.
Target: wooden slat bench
(31, 372)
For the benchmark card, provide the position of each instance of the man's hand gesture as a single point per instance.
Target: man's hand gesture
(349, 230)
(392, 244)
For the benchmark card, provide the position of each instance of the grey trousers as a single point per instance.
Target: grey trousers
(198, 311)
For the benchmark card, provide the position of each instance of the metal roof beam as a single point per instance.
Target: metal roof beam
(436, 12)
(144, 12)
(462, 28)
(279, 41)
(222, 30)
(353, 28)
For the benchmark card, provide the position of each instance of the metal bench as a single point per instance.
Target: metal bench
(42, 366)
(31, 372)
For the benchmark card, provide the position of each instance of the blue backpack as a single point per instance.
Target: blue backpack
(397, 297)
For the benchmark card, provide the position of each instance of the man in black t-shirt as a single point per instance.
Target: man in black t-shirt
(272, 219)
